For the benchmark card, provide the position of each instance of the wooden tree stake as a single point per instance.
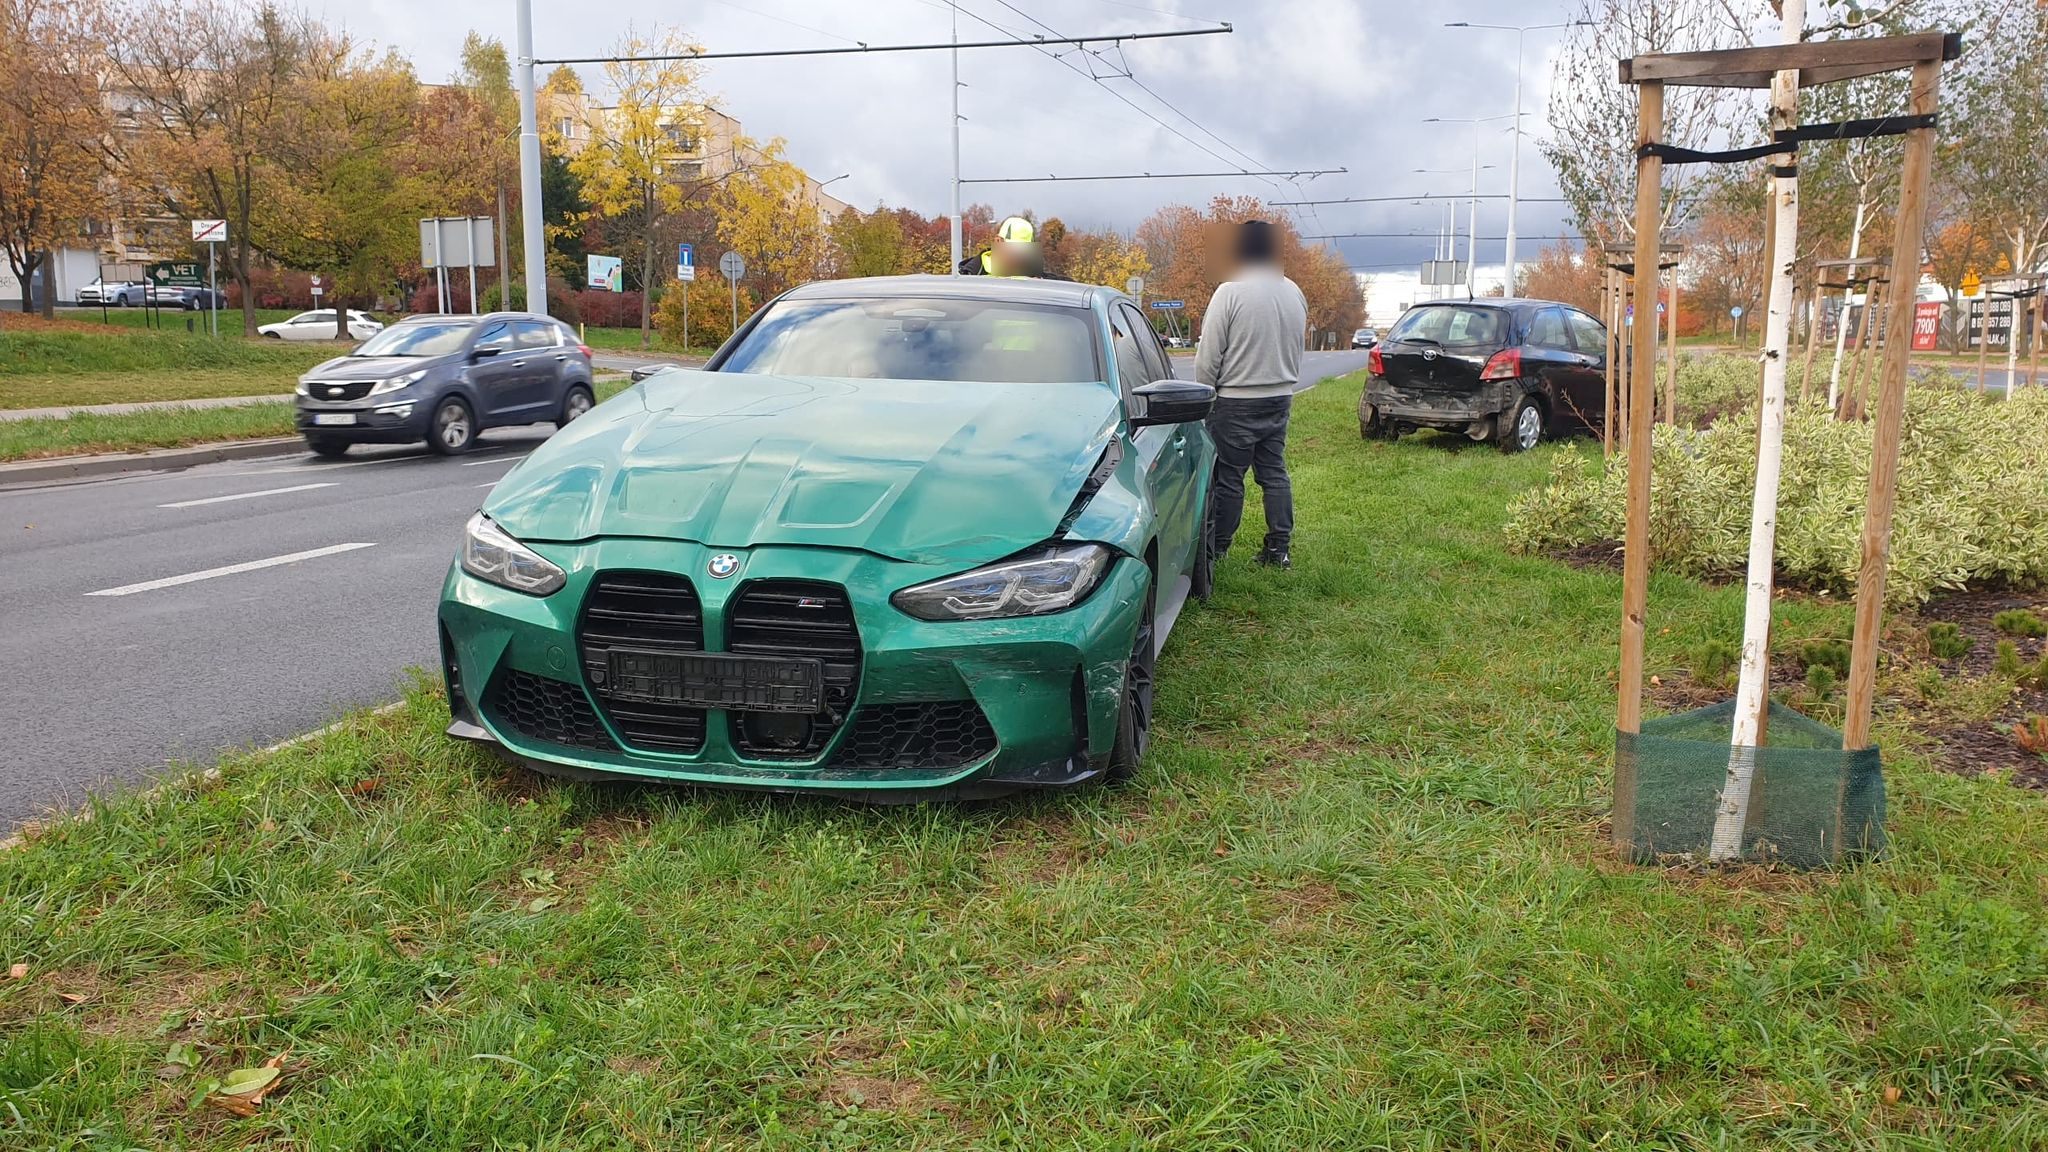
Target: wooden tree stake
(1891, 408)
(1635, 581)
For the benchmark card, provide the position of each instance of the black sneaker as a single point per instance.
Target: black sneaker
(1276, 558)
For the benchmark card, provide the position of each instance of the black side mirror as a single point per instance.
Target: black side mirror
(484, 353)
(1171, 402)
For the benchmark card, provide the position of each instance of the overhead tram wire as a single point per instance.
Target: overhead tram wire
(1292, 173)
(879, 49)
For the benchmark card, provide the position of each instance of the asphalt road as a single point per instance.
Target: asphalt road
(169, 617)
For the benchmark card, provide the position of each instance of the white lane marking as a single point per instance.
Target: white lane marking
(229, 570)
(495, 460)
(488, 484)
(246, 495)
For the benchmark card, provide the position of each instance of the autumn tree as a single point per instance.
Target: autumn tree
(869, 244)
(769, 214)
(212, 83)
(633, 170)
(1102, 257)
(2003, 163)
(1726, 251)
(1565, 271)
(54, 131)
(464, 147)
(336, 187)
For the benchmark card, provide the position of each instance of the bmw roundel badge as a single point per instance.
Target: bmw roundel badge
(724, 564)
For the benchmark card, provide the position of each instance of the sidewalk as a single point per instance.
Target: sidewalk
(144, 406)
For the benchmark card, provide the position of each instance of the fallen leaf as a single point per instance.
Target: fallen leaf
(367, 786)
(541, 904)
(267, 826)
(17, 971)
(1656, 681)
(71, 997)
(1891, 1093)
(182, 1053)
(1222, 848)
(243, 1090)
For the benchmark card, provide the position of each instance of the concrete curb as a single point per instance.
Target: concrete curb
(160, 460)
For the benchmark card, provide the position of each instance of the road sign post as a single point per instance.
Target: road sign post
(686, 275)
(733, 266)
(211, 233)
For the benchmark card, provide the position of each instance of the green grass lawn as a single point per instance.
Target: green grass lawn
(628, 340)
(1361, 897)
(49, 366)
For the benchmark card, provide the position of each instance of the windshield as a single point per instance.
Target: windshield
(415, 340)
(912, 339)
(1453, 324)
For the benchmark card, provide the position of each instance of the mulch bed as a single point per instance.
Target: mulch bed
(1967, 748)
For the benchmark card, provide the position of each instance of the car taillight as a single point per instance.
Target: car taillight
(1375, 362)
(1505, 364)
(585, 349)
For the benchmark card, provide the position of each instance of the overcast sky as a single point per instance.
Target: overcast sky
(1300, 84)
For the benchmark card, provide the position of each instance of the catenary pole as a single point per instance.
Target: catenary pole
(953, 268)
(1752, 690)
(533, 248)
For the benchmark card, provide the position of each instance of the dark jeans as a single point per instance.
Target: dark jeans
(1251, 434)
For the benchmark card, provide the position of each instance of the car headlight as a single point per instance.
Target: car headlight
(397, 382)
(302, 390)
(496, 558)
(1049, 579)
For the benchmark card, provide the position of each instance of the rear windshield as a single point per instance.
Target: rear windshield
(1453, 324)
(914, 339)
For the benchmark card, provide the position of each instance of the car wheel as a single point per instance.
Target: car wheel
(1134, 707)
(1520, 427)
(272, 336)
(453, 429)
(327, 447)
(575, 404)
(1202, 581)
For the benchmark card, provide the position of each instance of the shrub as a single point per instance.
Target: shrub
(1821, 680)
(1832, 655)
(2019, 622)
(1947, 642)
(2032, 734)
(563, 303)
(2008, 664)
(1712, 663)
(608, 309)
(1972, 497)
(710, 299)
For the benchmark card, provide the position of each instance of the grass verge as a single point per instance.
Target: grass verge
(628, 340)
(67, 362)
(1359, 898)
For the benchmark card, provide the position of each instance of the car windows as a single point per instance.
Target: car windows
(1587, 333)
(908, 338)
(1157, 366)
(1547, 331)
(1449, 324)
(313, 318)
(423, 338)
(532, 334)
(497, 336)
(1130, 360)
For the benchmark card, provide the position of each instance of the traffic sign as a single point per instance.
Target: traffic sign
(1660, 307)
(1135, 285)
(1736, 312)
(686, 262)
(209, 231)
(1168, 305)
(175, 274)
(733, 266)
(1972, 283)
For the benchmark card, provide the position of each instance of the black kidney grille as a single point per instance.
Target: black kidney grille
(654, 611)
(547, 710)
(951, 734)
(339, 389)
(801, 619)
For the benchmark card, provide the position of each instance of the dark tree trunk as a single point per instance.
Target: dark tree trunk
(49, 266)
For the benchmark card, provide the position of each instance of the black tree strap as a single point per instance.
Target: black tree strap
(1788, 140)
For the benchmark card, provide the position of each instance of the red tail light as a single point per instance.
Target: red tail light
(1375, 362)
(1505, 364)
(587, 353)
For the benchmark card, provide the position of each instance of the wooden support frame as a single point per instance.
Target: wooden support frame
(1909, 227)
(1671, 352)
(1812, 336)
(1635, 580)
(1817, 61)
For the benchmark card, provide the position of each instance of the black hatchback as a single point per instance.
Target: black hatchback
(1510, 371)
(443, 379)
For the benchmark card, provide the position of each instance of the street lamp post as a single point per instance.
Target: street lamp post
(1472, 224)
(1515, 157)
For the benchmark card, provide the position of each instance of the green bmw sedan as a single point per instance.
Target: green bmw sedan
(905, 536)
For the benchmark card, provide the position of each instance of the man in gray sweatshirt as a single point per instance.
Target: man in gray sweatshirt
(1250, 353)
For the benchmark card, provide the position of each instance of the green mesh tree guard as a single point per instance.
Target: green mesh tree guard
(1812, 805)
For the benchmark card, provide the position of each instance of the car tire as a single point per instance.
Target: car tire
(576, 403)
(453, 428)
(272, 336)
(1520, 428)
(1134, 703)
(327, 447)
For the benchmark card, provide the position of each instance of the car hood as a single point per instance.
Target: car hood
(914, 470)
(370, 367)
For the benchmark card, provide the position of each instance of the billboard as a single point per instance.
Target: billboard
(607, 274)
(1926, 326)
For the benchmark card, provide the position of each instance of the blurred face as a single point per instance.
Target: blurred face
(1015, 259)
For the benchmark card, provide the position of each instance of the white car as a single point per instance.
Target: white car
(319, 325)
(120, 293)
